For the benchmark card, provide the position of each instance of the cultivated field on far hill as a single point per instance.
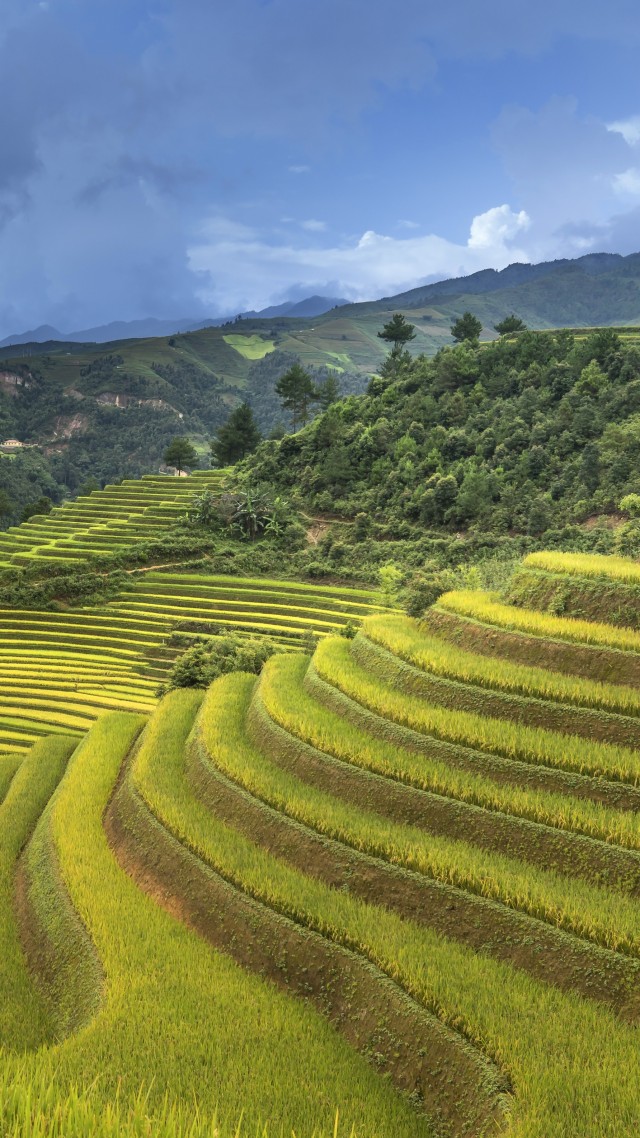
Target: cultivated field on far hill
(387, 890)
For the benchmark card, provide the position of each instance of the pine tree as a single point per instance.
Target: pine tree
(180, 453)
(466, 327)
(297, 392)
(237, 438)
(510, 324)
(328, 391)
(398, 332)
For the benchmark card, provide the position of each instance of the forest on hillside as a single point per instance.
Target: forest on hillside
(529, 437)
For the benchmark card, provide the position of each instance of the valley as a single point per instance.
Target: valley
(65, 397)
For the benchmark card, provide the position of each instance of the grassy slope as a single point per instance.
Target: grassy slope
(347, 337)
(314, 778)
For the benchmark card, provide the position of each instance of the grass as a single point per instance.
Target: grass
(488, 609)
(159, 979)
(8, 766)
(282, 694)
(24, 1022)
(586, 565)
(158, 777)
(401, 636)
(251, 347)
(108, 520)
(261, 600)
(37, 1109)
(284, 610)
(604, 916)
(574, 1068)
(346, 593)
(158, 1033)
(335, 665)
(60, 671)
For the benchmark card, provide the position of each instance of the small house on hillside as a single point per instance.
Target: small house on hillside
(12, 446)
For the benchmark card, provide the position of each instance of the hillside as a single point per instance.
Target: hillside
(106, 411)
(529, 439)
(101, 413)
(396, 880)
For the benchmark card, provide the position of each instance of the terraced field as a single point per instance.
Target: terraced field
(105, 521)
(59, 671)
(286, 611)
(580, 585)
(389, 890)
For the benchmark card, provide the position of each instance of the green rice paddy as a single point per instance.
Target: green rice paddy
(251, 347)
(388, 889)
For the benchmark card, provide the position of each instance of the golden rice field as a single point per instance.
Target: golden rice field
(387, 890)
(586, 565)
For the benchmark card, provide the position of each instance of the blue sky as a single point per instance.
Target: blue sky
(196, 157)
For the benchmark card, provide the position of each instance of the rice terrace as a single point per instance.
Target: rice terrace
(319, 569)
(387, 887)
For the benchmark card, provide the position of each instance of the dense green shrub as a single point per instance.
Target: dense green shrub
(424, 588)
(215, 656)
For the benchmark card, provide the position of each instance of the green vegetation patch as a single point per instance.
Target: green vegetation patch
(251, 347)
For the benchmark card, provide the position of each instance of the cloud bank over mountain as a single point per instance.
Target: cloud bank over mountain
(178, 157)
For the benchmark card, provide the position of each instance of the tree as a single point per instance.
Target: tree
(297, 392)
(539, 515)
(43, 505)
(466, 327)
(180, 453)
(328, 391)
(631, 505)
(238, 437)
(627, 539)
(590, 466)
(204, 509)
(390, 578)
(510, 323)
(398, 332)
(6, 507)
(445, 492)
(216, 656)
(592, 380)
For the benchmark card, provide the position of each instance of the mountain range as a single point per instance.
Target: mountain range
(150, 327)
(106, 410)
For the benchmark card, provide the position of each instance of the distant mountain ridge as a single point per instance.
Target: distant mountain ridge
(110, 408)
(513, 276)
(150, 327)
(597, 288)
(308, 308)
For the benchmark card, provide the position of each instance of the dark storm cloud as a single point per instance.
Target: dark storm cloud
(122, 121)
(126, 171)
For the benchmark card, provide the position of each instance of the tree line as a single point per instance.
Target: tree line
(298, 393)
(240, 435)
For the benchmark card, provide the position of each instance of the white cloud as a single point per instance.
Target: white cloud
(628, 128)
(492, 229)
(314, 226)
(223, 228)
(403, 223)
(251, 273)
(299, 169)
(563, 166)
(628, 182)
